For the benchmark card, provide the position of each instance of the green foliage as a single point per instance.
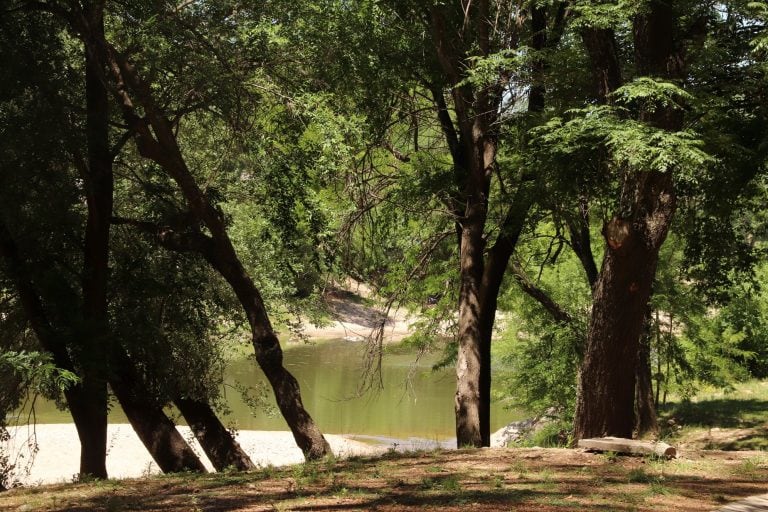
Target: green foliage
(630, 144)
(645, 94)
(23, 373)
(487, 71)
(555, 434)
(604, 15)
(760, 43)
(542, 354)
(37, 369)
(737, 333)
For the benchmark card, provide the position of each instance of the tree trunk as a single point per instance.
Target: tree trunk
(155, 140)
(97, 179)
(605, 405)
(471, 344)
(219, 444)
(493, 275)
(645, 410)
(495, 265)
(155, 429)
(90, 419)
(158, 433)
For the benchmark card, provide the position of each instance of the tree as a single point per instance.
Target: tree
(471, 76)
(153, 131)
(86, 343)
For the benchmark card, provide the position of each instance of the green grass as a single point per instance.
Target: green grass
(744, 407)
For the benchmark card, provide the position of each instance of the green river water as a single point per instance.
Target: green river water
(328, 373)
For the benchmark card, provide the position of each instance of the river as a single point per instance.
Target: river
(415, 402)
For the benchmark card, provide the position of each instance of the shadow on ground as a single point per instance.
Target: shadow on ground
(721, 412)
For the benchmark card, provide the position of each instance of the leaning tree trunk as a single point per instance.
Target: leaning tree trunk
(153, 427)
(158, 433)
(218, 443)
(155, 140)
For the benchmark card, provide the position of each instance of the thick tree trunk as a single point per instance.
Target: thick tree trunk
(219, 444)
(605, 405)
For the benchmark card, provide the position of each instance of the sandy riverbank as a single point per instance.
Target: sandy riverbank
(354, 317)
(57, 458)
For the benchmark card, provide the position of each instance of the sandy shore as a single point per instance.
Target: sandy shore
(58, 451)
(354, 319)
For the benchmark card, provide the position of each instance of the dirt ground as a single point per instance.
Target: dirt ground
(486, 480)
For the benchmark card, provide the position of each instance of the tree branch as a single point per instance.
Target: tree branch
(167, 237)
(559, 314)
(581, 241)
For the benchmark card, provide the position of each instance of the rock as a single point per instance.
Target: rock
(511, 433)
(517, 430)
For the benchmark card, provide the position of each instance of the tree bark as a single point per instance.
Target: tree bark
(645, 410)
(99, 197)
(471, 346)
(605, 404)
(581, 241)
(221, 447)
(497, 260)
(603, 56)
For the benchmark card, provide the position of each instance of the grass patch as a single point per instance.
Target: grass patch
(485, 480)
(735, 419)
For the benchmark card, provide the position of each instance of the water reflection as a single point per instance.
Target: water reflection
(414, 402)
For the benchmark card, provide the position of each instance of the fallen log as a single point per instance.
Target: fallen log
(635, 446)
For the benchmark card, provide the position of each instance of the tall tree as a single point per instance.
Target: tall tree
(475, 79)
(635, 233)
(84, 342)
(156, 140)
